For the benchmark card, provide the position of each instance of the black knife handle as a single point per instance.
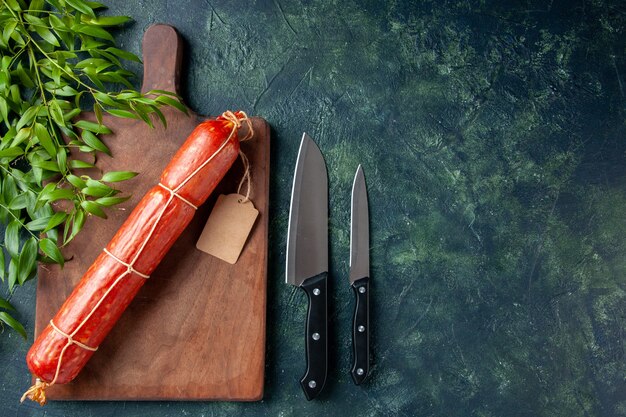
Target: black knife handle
(361, 331)
(316, 336)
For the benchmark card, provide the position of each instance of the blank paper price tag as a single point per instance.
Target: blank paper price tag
(228, 227)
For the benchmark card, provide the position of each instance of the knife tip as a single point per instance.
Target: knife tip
(358, 174)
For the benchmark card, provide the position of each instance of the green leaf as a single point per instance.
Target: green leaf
(117, 176)
(62, 160)
(51, 193)
(115, 77)
(110, 20)
(45, 191)
(71, 114)
(77, 224)
(65, 91)
(12, 238)
(8, 136)
(5, 304)
(56, 113)
(96, 32)
(60, 194)
(172, 102)
(9, 189)
(105, 99)
(93, 208)
(95, 5)
(38, 225)
(53, 234)
(14, 5)
(76, 181)
(47, 165)
(27, 117)
(92, 127)
(46, 34)
(31, 18)
(78, 164)
(92, 44)
(94, 77)
(12, 273)
(11, 152)
(123, 54)
(24, 77)
(14, 92)
(91, 140)
(50, 249)
(18, 39)
(81, 6)
(35, 6)
(111, 201)
(2, 266)
(160, 115)
(57, 23)
(162, 92)
(93, 62)
(23, 135)
(4, 110)
(8, 30)
(97, 191)
(55, 220)
(27, 262)
(97, 109)
(125, 95)
(122, 113)
(11, 322)
(44, 138)
(19, 202)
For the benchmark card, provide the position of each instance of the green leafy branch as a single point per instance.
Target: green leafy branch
(57, 60)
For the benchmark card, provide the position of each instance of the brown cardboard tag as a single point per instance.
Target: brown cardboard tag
(228, 227)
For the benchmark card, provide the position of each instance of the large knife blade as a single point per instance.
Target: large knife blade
(307, 257)
(359, 277)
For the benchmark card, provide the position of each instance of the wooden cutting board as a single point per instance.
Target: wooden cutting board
(196, 330)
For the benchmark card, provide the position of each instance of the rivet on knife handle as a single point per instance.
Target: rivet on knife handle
(314, 379)
(361, 331)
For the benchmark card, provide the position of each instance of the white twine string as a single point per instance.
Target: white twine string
(230, 116)
(129, 267)
(245, 178)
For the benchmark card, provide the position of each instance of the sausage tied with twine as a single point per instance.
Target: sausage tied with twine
(110, 284)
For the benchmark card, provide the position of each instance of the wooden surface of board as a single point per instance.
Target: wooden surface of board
(196, 330)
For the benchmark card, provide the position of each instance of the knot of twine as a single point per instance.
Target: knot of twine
(237, 119)
(175, 194)
(129, 267)
(37, 392)
(70, 338)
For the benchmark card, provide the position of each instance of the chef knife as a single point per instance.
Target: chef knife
(359, 277)
(307, 257)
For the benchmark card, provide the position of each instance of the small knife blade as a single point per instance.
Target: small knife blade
(359, 277)
(307, 257)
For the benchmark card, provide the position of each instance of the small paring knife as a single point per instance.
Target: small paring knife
(359, 277)
(307, 257)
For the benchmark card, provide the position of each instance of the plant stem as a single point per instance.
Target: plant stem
(18, 220)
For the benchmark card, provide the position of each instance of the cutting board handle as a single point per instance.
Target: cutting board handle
(162, 56)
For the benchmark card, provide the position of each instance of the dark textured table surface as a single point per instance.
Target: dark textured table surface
(492, 137)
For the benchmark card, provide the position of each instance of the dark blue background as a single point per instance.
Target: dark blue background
(492, 137)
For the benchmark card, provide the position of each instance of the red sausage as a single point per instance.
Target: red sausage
(108, 286)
